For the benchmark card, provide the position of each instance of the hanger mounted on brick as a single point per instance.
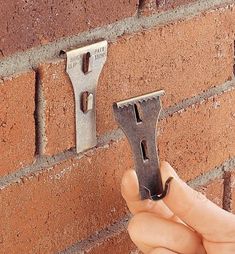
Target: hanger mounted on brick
(84, 66)
(138, 118)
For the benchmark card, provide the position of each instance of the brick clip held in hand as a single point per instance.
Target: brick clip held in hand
(138, 118)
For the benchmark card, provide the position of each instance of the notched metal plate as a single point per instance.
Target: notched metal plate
(140, 99)
(84, 66)
(138, 117)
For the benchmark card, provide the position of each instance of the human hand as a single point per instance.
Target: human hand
(184, 222)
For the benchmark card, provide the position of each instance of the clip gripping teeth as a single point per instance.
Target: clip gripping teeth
(139, 99)
(138, 118)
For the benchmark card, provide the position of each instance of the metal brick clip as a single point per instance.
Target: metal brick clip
(138, 118)
(84, 66)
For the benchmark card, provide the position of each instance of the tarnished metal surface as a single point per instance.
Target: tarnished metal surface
(138, 119)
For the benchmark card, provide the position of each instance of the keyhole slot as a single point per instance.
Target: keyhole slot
(138, 113)
(86, 62)
(144, 150)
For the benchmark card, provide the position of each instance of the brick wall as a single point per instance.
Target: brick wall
(53, 200)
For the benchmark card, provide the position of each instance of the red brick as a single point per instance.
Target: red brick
(201, 138)
(81, 195)
(197, 139)
(118, 244)
(59, 110)
(184, 59)
(33, 23)
(171, 4)
(214, 191)
(17, 125)
(49, 211)
(149, 7)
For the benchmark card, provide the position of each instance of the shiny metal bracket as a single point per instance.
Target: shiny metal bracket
(84, 66)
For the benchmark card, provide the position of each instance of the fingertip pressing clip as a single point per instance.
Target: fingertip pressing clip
(138, 118)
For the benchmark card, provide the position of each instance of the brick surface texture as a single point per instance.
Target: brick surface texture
(59, 112)
(17, 125)
(193, 143)
(214, 191)
(33, 23)
(53, 200)
(72, 186)
(166, 61)
(188, 140)
(148, 7)
(51, 210)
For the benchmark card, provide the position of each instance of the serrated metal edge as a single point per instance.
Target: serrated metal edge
(139, 99)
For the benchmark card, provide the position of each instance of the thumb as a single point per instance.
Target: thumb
(196, 210)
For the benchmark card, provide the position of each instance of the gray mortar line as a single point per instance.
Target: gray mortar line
(107, 138)
(213, 174)
(98, 238)
(40, 115)
(110, 136)
(200, 98)
(33, 57)
(95, 240)
(227, 197)
(43, 162)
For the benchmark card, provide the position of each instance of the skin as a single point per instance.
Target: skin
(184, 222)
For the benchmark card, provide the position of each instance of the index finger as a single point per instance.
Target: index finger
(214, 223)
